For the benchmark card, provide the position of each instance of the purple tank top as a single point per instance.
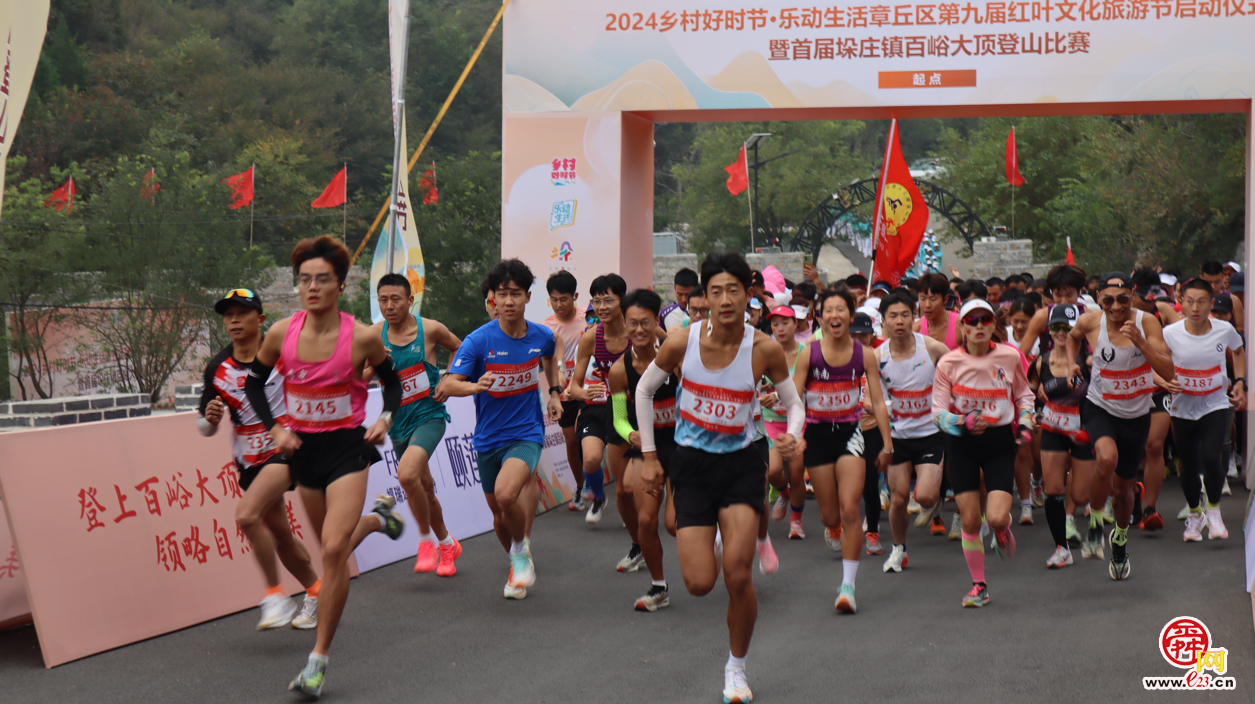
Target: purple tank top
(602, 360)
(834, 394)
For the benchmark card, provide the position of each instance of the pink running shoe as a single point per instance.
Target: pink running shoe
(768, 563)
(448, 556)
(426, 557)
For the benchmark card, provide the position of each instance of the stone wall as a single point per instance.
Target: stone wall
(788, 263)
(69, 411)
(1002, 258)
(665, 266)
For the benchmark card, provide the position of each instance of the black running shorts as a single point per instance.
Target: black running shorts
(325, 457)
(570, 412)
(828, 442)
(706, 482)
(597, 421)
(993, 451)
(926, 450)
(1129, 435)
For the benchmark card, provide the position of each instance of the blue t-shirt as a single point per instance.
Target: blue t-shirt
(511, 410)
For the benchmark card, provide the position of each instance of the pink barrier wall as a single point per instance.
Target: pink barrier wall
(126, 530)
(13, 605)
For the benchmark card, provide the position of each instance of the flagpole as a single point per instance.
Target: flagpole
(749, 201)
(878, 212)
(252, 177)
(399, 169)
(344, 233)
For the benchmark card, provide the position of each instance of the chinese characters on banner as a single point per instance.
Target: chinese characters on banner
(563, 173)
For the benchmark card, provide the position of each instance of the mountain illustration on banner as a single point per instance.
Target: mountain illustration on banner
(407, 253)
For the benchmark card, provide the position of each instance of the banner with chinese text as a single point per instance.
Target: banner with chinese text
(13, 604)
(23, 24)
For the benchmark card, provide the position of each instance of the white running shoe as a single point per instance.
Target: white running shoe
(956, 528)
(833, 539)
(1184, 513)
(912, 506)
(1062, 557)
(736, 689)
(513, 592)
(897, 559)
(1109, 512)
(1194, 528)
(1233, 466)
(633, 561)
(276, 612)
(1215, 525)
(595, 507)
(884, 500)
(926, 515)
(308, 618)
(1026, 515)
(1037, 494)
(1226, 491)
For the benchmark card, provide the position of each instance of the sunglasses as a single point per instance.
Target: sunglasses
(978, 319)
(1123, 299)
(240, 293)
(1060, 327)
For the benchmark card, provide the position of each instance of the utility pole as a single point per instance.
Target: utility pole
(752, 143)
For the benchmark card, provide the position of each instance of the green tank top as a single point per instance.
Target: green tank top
(769, 415)
(418, 380)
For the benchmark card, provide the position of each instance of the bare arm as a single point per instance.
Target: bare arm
(585, 353)
(1152, 346)
(877, 397)
(1036, 326)
(936, 350)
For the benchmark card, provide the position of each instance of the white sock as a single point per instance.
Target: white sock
(382, 523)
(849, 570)
(448, 540)
(1026, 503)
(762, 541)
(426, 537)
(316, 657)
(516, 547)
(659, 583)
(734, 663)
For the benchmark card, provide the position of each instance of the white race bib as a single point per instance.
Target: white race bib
(912, 404)
(513, 379)
(664, 413)
(253, 442)
(832, 401)
(717, 409)
(1121, 385)
(414, 384)
(1065, 420)
(324, 407)
(1201, 382)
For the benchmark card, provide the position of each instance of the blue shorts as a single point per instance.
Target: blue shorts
(490, 462)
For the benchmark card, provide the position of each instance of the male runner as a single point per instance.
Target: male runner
(1213, 273)
(599, 349)
(505, 357)
(1116, 412)
(672, 316)
(908, 363)
(568, 328)
(1149, 297)
(264, 476)
(420, 422)
(1065, 282)
(640, 312)
(718, 478)
(934, 320)
(326, 405)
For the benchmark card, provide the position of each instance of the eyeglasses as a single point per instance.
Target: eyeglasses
(1060, 327)
(978, 320)
(1123, 299)
(322, 279)
(240, 293)
(607, 301)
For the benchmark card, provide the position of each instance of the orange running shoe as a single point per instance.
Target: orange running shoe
(448, 556)
(938, 526)
(426, 557)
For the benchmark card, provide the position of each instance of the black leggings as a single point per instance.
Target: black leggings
(872, 445)
(1200, 444)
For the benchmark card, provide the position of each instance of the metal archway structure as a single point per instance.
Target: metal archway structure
(813, 232)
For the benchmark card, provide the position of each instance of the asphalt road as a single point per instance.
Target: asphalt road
(1057, 636)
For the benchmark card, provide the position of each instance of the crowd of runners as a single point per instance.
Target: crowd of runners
(728, 408)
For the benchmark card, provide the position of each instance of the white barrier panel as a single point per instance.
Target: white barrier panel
(455, 472)
(13, 604)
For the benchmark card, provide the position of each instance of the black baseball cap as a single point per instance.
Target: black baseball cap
(1064, 314)
(1222, 304)
(862, 325)
(1118, 276)
(239, 297)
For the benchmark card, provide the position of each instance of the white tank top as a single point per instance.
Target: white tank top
(1122, 380)
(1016, 343)
(909, 391)
(717, 407)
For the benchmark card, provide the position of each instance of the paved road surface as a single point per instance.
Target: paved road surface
(1065, 636)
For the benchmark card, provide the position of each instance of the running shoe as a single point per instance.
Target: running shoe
(513, 592)
(938, 526)
(522, 571)
(277, 611)
(1026, 515)
(1151, 520)
(1038, 494)
(1233, 466)
(832, 537)
(393, 526)
(428, 556)
(1119, 569)
(780, 509)
(657, 598)
(595, 508)
(1226, 491)
(1062, 557)
(449, 555)
(912, 506)
(956, 528)
(768, 562)
(307, 620)
(977, 597)
(897, 559)
(871, 543)
(1092, 547)
(1109, 512)
(577, 503)
(309, 681)
(1184, 513)
(1072, 534)
(926, 514)
(795, 531)
(736, 689)
(810, 490)
(1004, 544)
(633, 561)
(527, 545)
(718, 553)
(1215, 525)
(845, 599)
(1139, 490)
(1194, 528)
(949, 494)
(884, 500)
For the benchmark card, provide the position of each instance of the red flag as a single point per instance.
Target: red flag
(1070, 259)
(336, 192)
(738, 174)
(63, 197)
(148, 191)
(431, 196)
(241, 186)
(1013, 162)
(901, 215)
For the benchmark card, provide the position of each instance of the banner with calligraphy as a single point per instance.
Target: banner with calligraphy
(13, 605)
(130, 533)
(22, 27)
(662, 55)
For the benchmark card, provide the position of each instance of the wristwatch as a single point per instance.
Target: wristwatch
(555, 389)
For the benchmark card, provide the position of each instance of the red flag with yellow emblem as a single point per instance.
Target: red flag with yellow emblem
(901, 216)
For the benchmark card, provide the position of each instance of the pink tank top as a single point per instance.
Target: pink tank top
(951, 340)
(322, 396)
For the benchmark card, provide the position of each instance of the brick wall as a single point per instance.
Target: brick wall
(69, 411)
(1002, 258)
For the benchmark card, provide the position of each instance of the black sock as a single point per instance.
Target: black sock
(1056, 518)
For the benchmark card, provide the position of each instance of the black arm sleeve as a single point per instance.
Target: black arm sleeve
(209, 391)
(391, 384)
(255, 391)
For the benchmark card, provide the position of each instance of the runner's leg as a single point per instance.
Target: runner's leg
(1153, 475)
(265, 490)
(291, 552)
(340, 511)
(900, 493)
(737, 523)
(647, 507)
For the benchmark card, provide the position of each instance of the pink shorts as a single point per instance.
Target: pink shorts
(775, 428)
